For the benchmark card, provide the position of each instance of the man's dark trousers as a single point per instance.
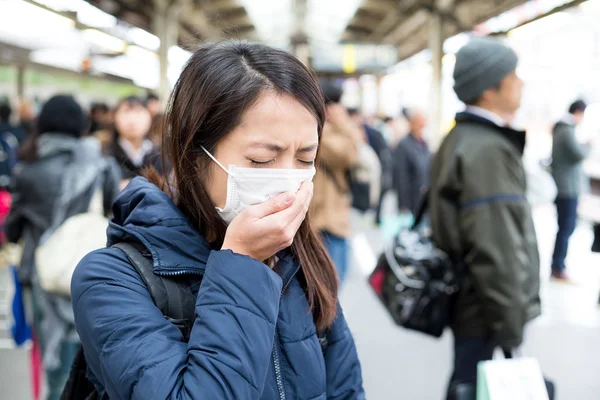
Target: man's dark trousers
(566, 208)
(468, 352)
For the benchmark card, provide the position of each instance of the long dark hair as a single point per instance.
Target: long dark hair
(218, 84)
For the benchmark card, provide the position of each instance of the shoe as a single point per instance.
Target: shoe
(562, 277)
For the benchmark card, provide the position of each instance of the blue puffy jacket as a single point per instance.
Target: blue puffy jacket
(253, 337)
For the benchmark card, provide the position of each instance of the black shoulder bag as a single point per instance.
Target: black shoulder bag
(415, 280)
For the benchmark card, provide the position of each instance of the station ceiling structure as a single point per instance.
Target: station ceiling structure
(146, 40)
(405, 23)
(198, 19)
(400, 23)
(333, 36)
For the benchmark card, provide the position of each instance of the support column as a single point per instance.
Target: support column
(378, 83)
(302, 52)
(166, 26)
(299, 39)
(20, 81)
(436, 45)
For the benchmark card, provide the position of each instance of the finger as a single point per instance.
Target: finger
(285, 229)
(273, 205)
(295, 224)
(285, 217)
(288, 235)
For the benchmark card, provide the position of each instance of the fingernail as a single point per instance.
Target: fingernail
(288, 196)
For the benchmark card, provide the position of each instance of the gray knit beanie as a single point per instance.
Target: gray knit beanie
(481, 64)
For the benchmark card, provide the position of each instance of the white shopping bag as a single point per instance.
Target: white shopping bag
(511, 379)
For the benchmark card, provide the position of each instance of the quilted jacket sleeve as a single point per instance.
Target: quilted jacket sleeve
(344, 376)
(134, 353)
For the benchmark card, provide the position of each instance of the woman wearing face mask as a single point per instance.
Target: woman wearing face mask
(243, 129)
(131, 147)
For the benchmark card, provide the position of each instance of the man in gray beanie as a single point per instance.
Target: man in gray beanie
(479, 213)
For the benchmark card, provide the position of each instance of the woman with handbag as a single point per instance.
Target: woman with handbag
(59, 174)
(243, 129)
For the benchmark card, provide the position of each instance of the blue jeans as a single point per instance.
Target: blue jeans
(337, 247)
(566, 208)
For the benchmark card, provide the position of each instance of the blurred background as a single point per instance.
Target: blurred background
(388, 56)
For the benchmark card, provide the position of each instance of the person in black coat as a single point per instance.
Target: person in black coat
(411, 160)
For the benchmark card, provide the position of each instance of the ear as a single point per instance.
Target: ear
(482, 100)
(488, 96)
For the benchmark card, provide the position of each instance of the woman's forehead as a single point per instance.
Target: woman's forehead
(277, 118)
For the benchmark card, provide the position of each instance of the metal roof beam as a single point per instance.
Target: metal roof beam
(383, 6)
(393, 15)
(220, 6)
(227, 23)
(369, 23)
(196, 20)
(407, 27)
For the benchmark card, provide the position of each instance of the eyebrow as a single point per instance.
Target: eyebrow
(276, 148)
(268, 146)
(308, 149)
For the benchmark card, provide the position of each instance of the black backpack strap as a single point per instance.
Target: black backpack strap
(78, 387)
(172, 296)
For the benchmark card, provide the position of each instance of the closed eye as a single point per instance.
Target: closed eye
(310, 163)
(261, 163)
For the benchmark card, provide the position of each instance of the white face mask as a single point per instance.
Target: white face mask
(250, 186)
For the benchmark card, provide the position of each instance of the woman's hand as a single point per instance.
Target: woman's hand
(262, 230)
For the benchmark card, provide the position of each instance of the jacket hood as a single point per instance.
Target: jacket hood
(51, 144)
(144, 213)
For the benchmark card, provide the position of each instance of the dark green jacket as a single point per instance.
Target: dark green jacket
(567, 160)
(479, 210)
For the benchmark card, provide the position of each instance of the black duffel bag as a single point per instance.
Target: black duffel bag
(415, 280)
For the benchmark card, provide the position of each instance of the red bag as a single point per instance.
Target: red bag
(5, 203)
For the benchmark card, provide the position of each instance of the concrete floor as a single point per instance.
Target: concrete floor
(398, 364)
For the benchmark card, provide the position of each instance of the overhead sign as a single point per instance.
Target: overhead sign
(351, 58)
